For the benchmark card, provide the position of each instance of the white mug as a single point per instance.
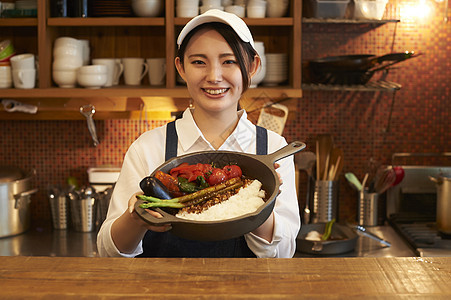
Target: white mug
(24, 79)
(134, 70)
(23, 62)
(118, 70)
(114, 68)
(5, 77)
(86, 52)
(157, 70)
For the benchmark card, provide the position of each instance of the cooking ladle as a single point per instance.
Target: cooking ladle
(88, 111)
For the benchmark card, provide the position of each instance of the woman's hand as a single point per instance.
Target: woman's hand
(134, 215)
(276, 166)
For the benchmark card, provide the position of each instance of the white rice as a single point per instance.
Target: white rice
(247, 200)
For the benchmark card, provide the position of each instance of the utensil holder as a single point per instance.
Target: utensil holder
(83, 213)
(325, 201)
(367, 211)
(59, 209)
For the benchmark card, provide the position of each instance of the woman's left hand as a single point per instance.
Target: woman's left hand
(276, 166)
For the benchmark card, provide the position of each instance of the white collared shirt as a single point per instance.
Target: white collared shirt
(147, 153)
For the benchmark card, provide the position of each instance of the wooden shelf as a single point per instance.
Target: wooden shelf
(18, 22)
(133, 37)
(137, 92)
(111, 21)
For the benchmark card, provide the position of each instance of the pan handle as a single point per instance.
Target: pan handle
(290, 149)
(398, 56)
(166, 219)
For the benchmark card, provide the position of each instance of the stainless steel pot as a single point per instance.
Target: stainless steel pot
(443, 203)
(15, 192)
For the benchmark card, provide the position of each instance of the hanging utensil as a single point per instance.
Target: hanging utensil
(88, 111)
(273, 117)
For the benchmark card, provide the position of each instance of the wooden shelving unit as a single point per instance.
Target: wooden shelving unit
(138, 37)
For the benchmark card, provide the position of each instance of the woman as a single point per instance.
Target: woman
(216, 59)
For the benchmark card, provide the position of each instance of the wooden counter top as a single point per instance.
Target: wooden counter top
(63, 277)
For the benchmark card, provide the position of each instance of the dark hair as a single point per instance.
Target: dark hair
(244, 52)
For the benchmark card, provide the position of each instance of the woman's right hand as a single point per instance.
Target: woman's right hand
(134, 215)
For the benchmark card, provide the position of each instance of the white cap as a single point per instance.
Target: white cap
(216, 15)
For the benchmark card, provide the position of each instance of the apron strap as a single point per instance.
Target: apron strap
(172, 141)
(262, 141)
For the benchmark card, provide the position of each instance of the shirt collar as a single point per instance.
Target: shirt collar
(241, 138)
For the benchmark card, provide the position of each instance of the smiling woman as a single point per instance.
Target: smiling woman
(217, 59)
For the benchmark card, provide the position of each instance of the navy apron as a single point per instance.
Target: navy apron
(165, 244)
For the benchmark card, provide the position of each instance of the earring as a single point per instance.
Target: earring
(191, 105)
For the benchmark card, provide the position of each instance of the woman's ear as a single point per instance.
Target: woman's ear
(179, 67)
(255, 66)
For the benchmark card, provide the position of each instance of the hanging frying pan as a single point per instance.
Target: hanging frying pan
(260, 167)
(352, 69)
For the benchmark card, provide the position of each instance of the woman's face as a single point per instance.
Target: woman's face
(211, 72)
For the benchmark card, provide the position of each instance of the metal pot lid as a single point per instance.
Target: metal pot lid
(9, 173)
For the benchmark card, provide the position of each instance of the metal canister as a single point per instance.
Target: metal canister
(325, 201)
(443, 219)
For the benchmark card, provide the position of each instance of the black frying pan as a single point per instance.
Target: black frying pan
(260, 167)
(358, 62)
(343, 239)
(351, 69)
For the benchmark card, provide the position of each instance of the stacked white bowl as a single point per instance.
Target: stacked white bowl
(93, 76)
(210, 4)
(67, 58)
(258, 77)
(276, 69)
(147, 8)
(187, 8)
(277, 8)
(256, 8)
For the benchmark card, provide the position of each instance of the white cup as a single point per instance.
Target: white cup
(5, 77)
(114, 69)
(157, 70)
(118, 70)
(23, 62)
(134, 70)
(86, 51)
(24, 79)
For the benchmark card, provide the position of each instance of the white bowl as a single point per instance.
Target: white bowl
(92, 80)
(186, 11)
(67, 63)
(65, 78)
(277, 8)
(67, 42)
(204, 9)
(238, 10)
(67, 51)
(256, 11)
(93, 69)
(147, 8)
(372, 10)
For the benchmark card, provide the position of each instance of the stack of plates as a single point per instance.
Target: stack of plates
(110, 8)
(26, 4)
(276, 69)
